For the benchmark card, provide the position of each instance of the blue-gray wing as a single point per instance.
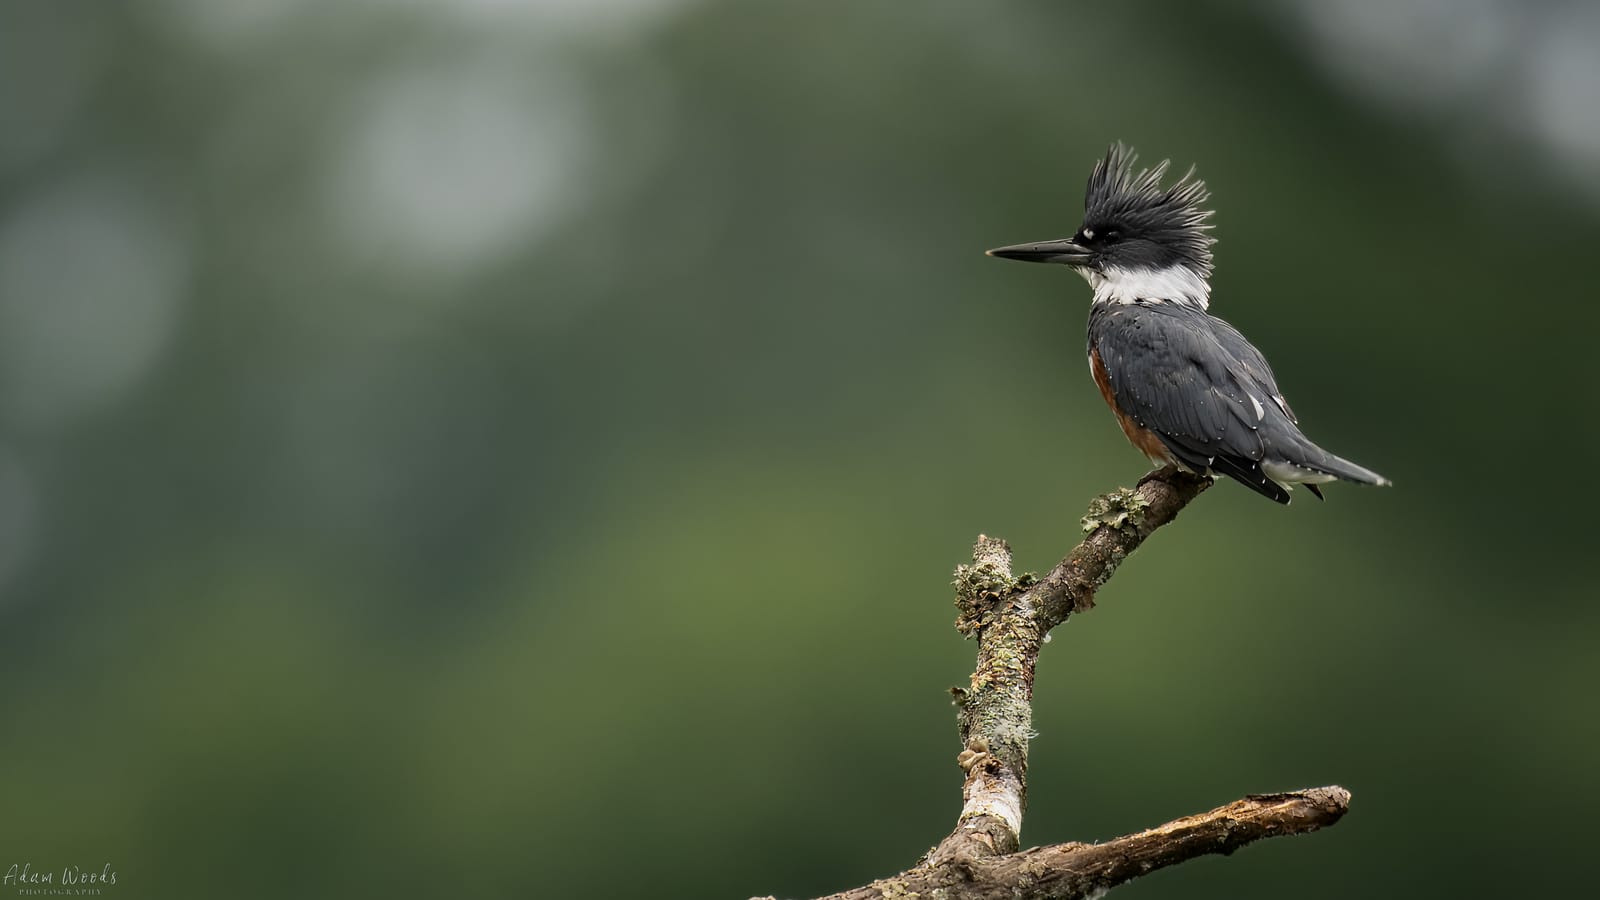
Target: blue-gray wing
(1251, 360)
(1173, 374)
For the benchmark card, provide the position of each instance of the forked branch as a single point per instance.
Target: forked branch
(1011, 617)
(1071, 871)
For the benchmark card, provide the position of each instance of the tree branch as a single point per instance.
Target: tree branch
(1012, 617)
(1072, 871)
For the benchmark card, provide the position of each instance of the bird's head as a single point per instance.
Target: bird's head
(1135, 234)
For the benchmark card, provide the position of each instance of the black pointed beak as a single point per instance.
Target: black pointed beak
(1064, 251)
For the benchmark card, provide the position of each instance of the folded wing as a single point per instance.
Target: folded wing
(1203, 390)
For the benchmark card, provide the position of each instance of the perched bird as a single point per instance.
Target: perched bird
(1187, 388)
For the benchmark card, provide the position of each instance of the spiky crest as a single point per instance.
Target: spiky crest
(1119, 197)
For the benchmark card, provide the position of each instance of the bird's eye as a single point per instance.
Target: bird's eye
(1110, 234)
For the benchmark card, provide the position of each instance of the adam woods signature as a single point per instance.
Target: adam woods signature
(68, 881)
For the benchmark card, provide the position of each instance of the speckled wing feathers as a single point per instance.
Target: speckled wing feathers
(1206, 393)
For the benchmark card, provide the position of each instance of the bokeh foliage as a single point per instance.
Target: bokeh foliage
(580, 522)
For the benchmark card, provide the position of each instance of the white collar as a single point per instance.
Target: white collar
(1173, 284)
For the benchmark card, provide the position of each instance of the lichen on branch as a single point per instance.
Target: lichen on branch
(1011, 617)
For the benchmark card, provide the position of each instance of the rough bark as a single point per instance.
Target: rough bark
(1011, 617)
(1071, 871)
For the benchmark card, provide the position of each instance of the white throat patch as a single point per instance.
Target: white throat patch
(1174, 284)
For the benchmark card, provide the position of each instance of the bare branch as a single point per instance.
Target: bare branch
(1120, 522)
(1011, 616)
(1078, 870)
(1072, 871)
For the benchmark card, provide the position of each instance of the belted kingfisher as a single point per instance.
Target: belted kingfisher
(1186, 387)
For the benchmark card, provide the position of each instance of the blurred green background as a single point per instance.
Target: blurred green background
(521, 447)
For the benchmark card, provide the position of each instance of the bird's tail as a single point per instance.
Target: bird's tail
(1343, 469)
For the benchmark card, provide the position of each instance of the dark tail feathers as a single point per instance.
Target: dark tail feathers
(1343, 469)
